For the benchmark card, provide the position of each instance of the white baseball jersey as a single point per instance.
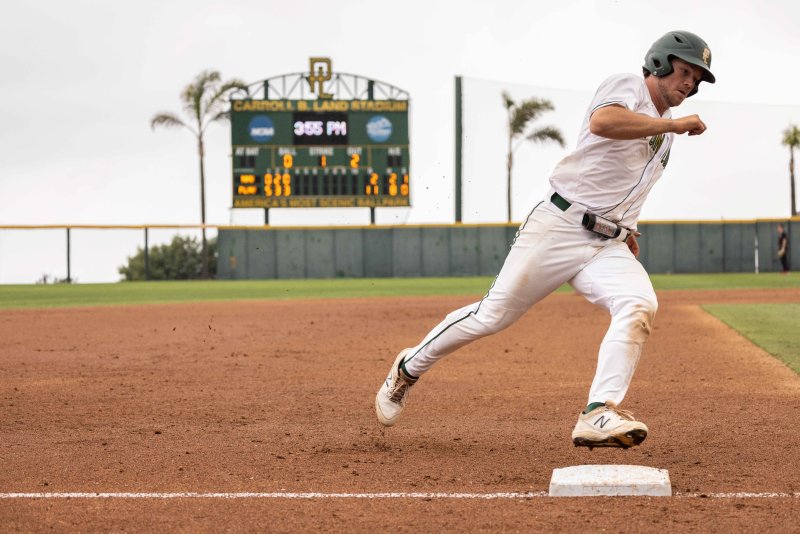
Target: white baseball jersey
(612, 178)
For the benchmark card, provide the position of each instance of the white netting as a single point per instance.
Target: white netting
(738, 169)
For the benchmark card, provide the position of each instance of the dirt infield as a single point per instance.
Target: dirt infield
(277, 397)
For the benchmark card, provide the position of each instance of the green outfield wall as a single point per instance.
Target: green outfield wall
(479, 250)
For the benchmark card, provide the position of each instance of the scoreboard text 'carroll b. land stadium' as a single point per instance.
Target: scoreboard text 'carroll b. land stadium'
(320, 139)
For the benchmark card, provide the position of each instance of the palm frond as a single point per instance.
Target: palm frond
(215, 105)
(221, 115)
(546, 133)
(194, 93)
(167, 120)
(527, 111)
(200, 83)
(230, 85)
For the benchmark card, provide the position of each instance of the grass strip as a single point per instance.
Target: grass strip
(122, 293)
(714, 281)
(29, 296)
(773, 327)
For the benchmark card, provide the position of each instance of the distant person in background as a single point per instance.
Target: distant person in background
(783, 248)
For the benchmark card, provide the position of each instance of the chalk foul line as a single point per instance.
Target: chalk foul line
(319, 495)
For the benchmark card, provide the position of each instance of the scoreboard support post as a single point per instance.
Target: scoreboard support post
(266, 216)
(146, 256)
(69, 267)
(372, 216)
(459, 141)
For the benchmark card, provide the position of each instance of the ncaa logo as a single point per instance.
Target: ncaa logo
(261, 129)
(379, 128)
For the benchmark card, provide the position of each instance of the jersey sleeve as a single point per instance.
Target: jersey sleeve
(620, 90)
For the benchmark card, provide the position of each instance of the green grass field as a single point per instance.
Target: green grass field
(58, 295)
(29, 296)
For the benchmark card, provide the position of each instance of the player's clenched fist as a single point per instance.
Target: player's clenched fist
(691, 124)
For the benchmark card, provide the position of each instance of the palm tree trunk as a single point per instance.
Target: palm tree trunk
(509, 164)
(201, 152)
(791, 177)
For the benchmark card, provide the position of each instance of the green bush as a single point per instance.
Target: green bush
(182, 259)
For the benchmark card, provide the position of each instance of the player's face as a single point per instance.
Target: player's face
(675, 87)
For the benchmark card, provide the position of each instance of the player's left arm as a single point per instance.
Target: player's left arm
(617, 122)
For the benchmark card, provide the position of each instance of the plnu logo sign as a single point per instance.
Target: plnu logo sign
(261, 129)
(379, 129)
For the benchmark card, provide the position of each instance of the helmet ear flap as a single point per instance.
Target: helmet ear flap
(658, 64)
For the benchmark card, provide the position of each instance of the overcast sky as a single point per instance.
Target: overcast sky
(81, 79)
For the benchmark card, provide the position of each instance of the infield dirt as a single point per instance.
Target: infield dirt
(278, 397)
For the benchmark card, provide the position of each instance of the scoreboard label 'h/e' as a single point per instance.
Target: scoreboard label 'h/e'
(323, 152)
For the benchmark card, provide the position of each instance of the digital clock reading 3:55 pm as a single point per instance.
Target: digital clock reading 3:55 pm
(320, 128)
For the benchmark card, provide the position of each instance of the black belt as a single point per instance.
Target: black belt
(560, 201)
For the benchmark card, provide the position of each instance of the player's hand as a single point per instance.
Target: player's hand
(633, 245)
(691, 125)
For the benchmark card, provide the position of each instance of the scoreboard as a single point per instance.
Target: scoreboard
(320, 153)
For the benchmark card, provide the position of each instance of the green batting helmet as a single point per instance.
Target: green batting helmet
(682, 45)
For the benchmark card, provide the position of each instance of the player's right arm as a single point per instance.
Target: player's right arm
(617, 122)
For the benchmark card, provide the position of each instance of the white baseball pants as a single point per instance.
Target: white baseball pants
(551, 248)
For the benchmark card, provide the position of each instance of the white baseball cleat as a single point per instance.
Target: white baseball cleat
(391, 398)
(608, 426)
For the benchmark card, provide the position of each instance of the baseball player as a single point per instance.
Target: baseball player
(584, 233)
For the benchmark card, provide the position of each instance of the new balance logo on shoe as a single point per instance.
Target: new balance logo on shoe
(602, 421)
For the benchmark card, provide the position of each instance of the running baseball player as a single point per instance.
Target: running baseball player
(584, 233)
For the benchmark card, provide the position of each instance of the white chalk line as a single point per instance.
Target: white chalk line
(317, 495)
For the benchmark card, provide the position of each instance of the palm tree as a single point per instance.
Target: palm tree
(204, 101)
(519, 116)
(791, 138)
